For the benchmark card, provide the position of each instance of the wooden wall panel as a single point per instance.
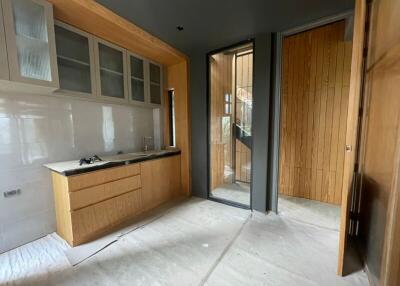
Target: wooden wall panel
(244, 91)
(243, 162)
(315, 88)
(220, 84)
(380, 221)
(92, 17)
(177, 79)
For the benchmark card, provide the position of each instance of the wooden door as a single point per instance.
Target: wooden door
(356, 77)
(315, 90)
(379, 228)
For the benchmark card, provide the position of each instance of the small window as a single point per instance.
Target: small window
(228, 103)
(155, 84)
(171, 109)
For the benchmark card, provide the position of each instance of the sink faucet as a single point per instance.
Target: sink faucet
(146, 139)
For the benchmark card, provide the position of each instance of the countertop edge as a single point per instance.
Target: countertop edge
(108, 165)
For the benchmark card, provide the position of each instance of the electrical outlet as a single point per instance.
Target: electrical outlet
(12, 193)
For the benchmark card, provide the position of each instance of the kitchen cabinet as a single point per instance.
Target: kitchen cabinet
(137, 83)
(155, 83)
(111, 70)
(29, 29)
(75, 60)
(145, 81)
(4, 73)
(161, 181)
(91, 204)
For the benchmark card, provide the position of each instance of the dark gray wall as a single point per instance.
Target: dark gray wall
(211, 24)
(209, 27)
(198, 102)
(261, 100)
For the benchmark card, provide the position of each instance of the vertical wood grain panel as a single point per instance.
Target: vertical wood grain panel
(315, 80)
(177, 79)
(220, 84)
(380, 155)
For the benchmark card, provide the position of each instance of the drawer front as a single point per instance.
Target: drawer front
(83, 181)
(93, 221)
(92, 195)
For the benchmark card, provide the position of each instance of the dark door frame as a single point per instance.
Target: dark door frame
(274, 183)
(208, 81)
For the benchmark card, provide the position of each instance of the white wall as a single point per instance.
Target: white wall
(35, 130)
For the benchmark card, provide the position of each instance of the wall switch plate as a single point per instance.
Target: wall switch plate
(12, 193)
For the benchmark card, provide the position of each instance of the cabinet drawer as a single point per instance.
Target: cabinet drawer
(92, 221)
(92, 195)
(87, 180)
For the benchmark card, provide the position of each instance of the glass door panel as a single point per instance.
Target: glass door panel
(29, 29)
(230, 111)
(137, 79)
(73, 59)
(111, 64)
(155, 84)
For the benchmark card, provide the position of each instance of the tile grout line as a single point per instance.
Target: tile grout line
(224, 252)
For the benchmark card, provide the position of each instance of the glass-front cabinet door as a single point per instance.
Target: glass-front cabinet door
(4, 73)
(111, 70)
(29, 28)
(155, 83)
(137, 85)
(75, 59)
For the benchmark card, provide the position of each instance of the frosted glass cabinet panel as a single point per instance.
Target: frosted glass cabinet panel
(111, 70)
(4, 73)
(137, 79)
(75, 59)
(29, 28)
(155, 83)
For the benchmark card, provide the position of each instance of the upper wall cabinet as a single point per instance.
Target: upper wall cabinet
(155, 83)
(4, 73)
(29, 29)
(111, 70)
(137, 81)
(75, 60)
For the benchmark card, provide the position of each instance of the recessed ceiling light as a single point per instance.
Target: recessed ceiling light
(179, 28)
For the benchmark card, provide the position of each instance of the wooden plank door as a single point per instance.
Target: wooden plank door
(356, 78)
(315, 91)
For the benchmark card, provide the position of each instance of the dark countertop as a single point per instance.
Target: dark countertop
(71, 168)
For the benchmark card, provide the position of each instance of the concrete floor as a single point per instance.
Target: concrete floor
(238, 193)
(199, 242)
(311, 212)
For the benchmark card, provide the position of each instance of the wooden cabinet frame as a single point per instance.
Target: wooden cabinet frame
(15, 74)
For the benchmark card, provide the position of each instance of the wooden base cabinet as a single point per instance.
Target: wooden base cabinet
(92, 204)
(161, 181)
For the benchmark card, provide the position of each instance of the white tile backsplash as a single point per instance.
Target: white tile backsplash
(35, 130)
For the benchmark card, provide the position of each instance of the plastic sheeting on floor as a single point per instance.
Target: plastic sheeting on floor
(198, 242)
